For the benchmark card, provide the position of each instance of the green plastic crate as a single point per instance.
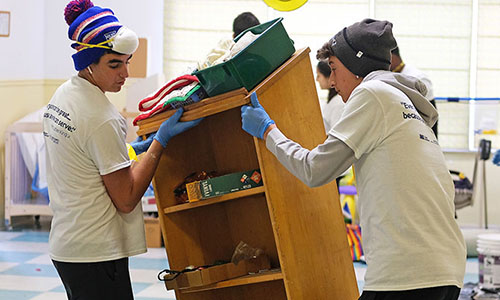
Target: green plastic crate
(254, 63)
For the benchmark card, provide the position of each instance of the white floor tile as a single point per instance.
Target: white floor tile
(41, 260)
(28, 283)
(24, 246)
(7, 265)
(157, 290)
(50, 296)
(360, 273)
(145, 276)
(472, 267)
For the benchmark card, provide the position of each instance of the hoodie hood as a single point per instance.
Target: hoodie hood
(413, 88)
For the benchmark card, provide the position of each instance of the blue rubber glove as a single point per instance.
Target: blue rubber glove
(172, 127)
(141, 145)
(254, 119)
(496, 158)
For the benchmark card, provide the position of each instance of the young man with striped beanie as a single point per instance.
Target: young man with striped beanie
(94, 188)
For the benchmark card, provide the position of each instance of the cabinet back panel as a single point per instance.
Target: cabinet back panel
(205, 234)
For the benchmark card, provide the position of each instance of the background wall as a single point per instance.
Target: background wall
(36, 58)
(454, 41)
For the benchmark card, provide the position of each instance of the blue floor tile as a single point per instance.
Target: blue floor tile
(39, 237)
(19, 257)
(470, 277)
(59, 289)
(138, 287)
(32, 270)
(148, 263)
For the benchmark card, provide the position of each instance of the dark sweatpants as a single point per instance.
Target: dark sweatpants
(108, 280)
(450, 292)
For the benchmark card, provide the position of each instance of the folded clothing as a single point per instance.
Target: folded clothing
(150, 102)
(195, 93)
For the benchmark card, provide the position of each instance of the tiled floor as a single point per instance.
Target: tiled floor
(26, 272)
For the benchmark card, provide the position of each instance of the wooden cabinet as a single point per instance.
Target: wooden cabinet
(301, 229)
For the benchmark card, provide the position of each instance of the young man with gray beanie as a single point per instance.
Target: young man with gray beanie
(95, 189)
(413, 246)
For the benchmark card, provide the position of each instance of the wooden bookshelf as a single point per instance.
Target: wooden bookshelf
(300, 229)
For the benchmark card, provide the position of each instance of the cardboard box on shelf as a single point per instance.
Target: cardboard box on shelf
(139, 61)
(218, 273)
(221, 185)
(153, 232)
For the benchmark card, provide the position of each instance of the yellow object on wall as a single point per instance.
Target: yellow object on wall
(285, 5)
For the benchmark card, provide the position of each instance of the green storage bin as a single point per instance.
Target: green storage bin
(252, 64)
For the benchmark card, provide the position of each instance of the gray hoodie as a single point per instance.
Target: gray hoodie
(413, 88)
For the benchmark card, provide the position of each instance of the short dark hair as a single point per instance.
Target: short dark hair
(325, 70)
(244, 21)
(325, 51)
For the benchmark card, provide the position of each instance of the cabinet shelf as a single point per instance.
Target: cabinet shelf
(243, 280)
(226, 197)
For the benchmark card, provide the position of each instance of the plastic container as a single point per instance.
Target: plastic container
(254, 63)
(488, 248)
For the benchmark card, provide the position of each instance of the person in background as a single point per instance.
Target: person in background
(95, 190)
(398, 66)
(413, 246)
(332, 108)
(244, 21)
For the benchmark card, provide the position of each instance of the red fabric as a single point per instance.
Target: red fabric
(179, 82)
(154, 111)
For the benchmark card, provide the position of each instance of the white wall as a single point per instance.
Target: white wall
(38, 46)
(36, 57)
(22, 53)
(435, 36)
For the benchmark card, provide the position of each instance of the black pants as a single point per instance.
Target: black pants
(449, 292)
(108, 280)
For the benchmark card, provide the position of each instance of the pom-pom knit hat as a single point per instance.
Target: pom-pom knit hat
(364, 46)
(95, 29)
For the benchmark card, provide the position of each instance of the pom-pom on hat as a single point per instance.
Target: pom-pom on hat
(364, 46)
(95, 29)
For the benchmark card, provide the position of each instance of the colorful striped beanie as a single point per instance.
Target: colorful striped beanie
(95, 29)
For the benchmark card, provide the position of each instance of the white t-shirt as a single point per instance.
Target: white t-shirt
(410, 237)
(412, 71)
(85, 138)
(331, 111)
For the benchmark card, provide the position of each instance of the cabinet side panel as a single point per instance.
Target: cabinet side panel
(308, 224)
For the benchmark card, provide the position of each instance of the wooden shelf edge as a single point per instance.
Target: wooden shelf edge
(226, 197)
(243, 280)
(204, 108)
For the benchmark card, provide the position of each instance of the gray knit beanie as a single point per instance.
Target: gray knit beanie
(365, 46)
